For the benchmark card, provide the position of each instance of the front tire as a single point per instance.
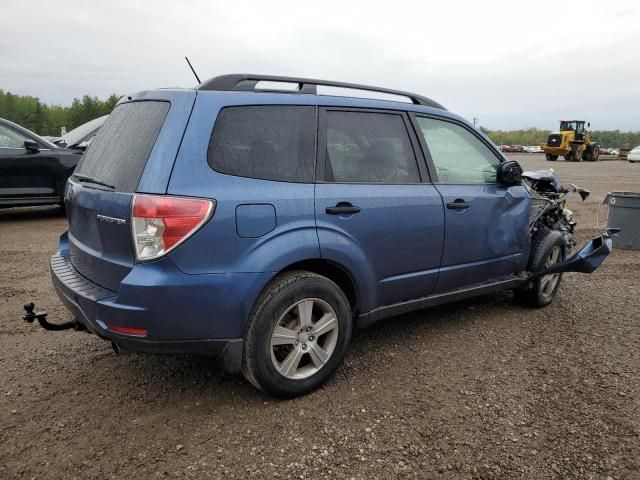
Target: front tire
(548, 249)
(576, 154)
(297, 335)
(551, 158)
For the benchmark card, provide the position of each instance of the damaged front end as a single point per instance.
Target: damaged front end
(585, 260)
(549, 213)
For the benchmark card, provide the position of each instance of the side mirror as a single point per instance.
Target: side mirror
(31, 146)
(510, 173)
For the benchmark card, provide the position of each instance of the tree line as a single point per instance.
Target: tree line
(533, 136)
(44, 119)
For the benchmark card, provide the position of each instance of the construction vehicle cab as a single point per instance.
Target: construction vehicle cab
(572, 141)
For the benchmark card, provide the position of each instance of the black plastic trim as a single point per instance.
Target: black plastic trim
(248, 82)
(64, 272)
(380, 313)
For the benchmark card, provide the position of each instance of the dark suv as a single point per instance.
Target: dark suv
(259, 219)
(33, 171)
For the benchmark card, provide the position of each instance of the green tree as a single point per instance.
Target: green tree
(46, 119)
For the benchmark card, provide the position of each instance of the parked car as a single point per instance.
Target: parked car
(262, 226)
(535, 149)
(33, 171)
(634, 155)
(80, 137)
(508, 149)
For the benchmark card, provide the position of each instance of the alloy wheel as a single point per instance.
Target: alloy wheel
(304, 338)
(548, 282)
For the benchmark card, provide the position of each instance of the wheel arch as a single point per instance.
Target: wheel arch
(334, 272)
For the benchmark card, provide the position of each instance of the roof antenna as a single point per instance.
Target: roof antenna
(191, 67)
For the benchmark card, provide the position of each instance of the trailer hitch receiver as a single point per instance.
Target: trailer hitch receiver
(41, 316)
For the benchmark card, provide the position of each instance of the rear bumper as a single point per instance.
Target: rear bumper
(197, 314)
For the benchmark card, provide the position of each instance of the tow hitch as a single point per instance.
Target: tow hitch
(41, 317)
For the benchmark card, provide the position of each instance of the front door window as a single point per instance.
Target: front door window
(10, 138)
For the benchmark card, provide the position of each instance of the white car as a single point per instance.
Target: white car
(79, 138)
(634, 155)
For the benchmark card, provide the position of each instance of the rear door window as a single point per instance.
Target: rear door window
(269, 142)
(119, 152)
(368, 147)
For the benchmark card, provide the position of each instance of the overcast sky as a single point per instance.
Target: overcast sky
(511, 64)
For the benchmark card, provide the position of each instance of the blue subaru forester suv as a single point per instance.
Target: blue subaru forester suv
(259, 219)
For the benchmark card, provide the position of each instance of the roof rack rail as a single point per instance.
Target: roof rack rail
(248, 82)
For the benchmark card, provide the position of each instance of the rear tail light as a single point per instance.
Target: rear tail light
(160, 223)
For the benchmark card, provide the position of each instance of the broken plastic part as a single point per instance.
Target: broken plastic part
(588, 258)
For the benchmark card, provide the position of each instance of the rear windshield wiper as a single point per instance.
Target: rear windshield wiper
(85, 179)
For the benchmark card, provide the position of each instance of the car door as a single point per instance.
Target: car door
(377, 213)
(25, 174)
(486, 224)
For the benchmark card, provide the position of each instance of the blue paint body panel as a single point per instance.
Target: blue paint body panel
(489, 239)
(403, 244)
(253, 221)
(393, 245)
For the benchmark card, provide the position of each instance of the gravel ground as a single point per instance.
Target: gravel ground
(478, 389)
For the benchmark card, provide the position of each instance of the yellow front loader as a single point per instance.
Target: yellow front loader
(572, 141)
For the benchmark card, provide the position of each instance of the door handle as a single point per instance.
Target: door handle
(342, 208)
(458, 204)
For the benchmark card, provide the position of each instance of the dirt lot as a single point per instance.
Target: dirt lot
(479, 389)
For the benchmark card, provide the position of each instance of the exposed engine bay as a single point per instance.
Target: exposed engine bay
(549, 205)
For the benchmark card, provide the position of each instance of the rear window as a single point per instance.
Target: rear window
(269, 142)
(119, 152)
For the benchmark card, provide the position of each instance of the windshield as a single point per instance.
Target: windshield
(572, 125)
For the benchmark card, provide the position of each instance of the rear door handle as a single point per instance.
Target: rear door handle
(342, 208)
(458, 204)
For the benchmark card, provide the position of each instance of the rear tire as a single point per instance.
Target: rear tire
(548, 249)
(552, 158)
(297, 335)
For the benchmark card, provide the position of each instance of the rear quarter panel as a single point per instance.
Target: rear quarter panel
(217, 247)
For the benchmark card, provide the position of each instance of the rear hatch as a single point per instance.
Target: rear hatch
(139, 136)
